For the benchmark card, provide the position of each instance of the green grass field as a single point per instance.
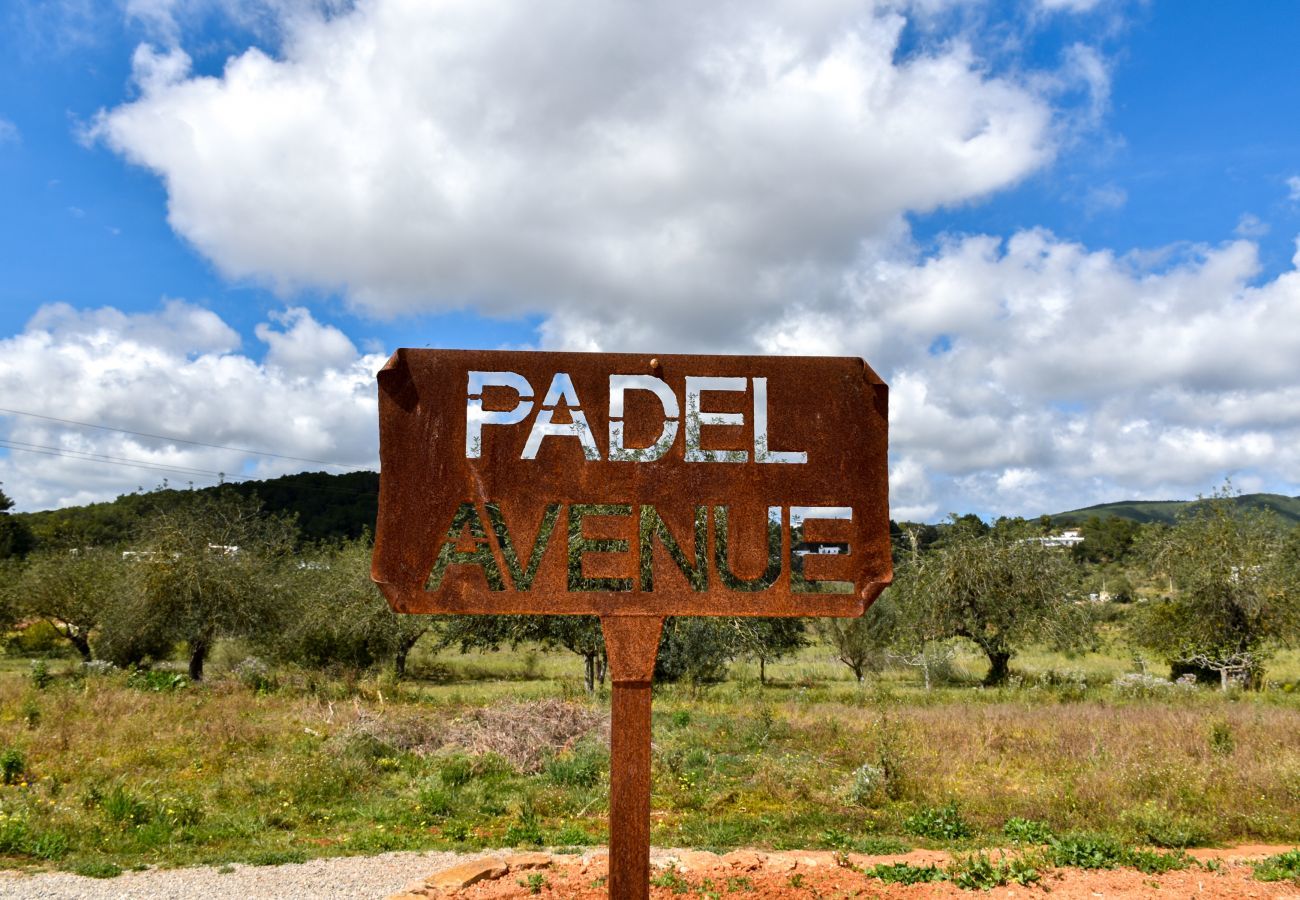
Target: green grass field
(103, 772)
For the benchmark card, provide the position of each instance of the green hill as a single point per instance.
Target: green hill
(1166, 511)
(328, 507)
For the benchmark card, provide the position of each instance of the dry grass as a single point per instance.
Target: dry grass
(525, 734)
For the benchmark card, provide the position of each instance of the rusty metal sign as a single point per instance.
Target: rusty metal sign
(626, 485)
(632, 488)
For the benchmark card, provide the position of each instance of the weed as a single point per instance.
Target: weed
(435, 801)
(40, 674)
(13, 767)
(1027, 831)
(737, 884)
(1161, 828)
(1086, 851)
(572, 836)
(156, 681)
(1282, 867)
(978, 872)
(456, 831)
(796, 880)
(1222, 743)
(835, 839)
(97, 868)
(19, 838)
(578, 769)
(669, 878)
(940, 823)
(276, 857)
(456, 771)
(905, 873)
(880, 846)
(534, 882)
(681, 718)
(1153, 862)
(123, 808)
(524, 831)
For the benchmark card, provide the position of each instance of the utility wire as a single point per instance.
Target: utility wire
(178, 440)
(119, 461)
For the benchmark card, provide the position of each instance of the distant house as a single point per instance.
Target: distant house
(1071, 537)
(820, 548)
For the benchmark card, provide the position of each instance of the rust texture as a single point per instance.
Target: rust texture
(631, 643)
(460, 516)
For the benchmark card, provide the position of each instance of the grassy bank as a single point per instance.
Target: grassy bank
(109, 771)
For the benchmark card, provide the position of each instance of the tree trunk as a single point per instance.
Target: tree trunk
(999, 667)
(589, 671)
(198, 656)
(602, 668)
(78, 639)
(762, 670)
(404, 648)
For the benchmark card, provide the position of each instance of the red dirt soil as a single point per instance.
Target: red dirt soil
(817, 874)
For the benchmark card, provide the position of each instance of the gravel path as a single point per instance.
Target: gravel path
(337, 878)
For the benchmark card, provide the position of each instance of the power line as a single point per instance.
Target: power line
(178, 440)
(85, 456)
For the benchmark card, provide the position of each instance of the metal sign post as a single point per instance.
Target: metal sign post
(631, 488)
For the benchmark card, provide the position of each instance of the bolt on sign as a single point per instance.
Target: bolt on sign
(632, 488)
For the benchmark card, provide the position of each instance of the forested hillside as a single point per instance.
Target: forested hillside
(1166, 512)
(328, 507)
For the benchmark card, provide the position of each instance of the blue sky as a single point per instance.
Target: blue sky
(1063, 230)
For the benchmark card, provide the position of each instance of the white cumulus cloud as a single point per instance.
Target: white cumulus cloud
(177, 372)
(691, 161)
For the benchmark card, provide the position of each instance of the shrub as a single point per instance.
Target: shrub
(1139, 685)
(868, 783)
(254, 674)
(941, 823)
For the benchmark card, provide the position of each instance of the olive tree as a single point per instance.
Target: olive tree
(213, 567)
(998, 590)
(1234, 596)
(73, 590)
(862, 643)
(337, 615)
(766, 639)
